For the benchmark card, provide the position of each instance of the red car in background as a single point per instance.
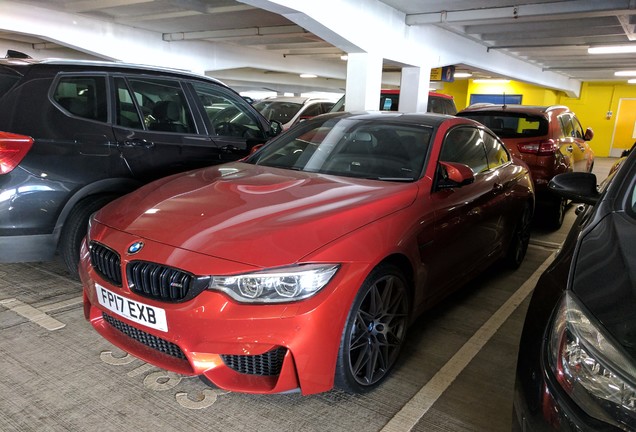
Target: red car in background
(302, 266)
(550, 139)
(437, 102)
(390, 98)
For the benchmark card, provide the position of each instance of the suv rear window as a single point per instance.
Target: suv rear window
(510, 124)
(6, 82)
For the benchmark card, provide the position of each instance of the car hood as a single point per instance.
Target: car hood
(253, 214)
(605, 277)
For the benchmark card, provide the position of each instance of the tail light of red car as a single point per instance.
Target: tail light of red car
(13, 148)
(540, 148)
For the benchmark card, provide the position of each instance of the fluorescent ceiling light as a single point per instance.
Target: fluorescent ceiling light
(612, 49)
(631, 81)
(463, 75)
(625, 73)
(306, 75)
(344, 57)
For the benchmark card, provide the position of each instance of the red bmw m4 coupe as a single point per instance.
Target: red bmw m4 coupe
(302, 266)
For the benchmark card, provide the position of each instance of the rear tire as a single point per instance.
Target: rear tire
(520, 239)
(375, 331)
(75, 228)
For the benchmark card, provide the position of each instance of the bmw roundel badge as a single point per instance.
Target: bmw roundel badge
(135, 247)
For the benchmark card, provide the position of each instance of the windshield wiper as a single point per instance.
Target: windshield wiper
(396, 179)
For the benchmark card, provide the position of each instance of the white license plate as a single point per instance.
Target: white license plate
(138, 312)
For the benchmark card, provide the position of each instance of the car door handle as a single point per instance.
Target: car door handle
(138, 142)
(497, 187)
(229, 148)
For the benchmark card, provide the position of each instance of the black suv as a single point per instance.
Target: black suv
(76, 135)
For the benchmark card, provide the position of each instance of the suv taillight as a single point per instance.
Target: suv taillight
(541, 148)
(13, 148)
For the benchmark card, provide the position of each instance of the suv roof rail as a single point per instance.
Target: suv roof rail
(480, 104)
(116, 64)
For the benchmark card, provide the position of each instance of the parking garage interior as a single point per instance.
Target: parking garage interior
(456, 372)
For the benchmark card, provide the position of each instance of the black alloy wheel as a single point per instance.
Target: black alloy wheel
(520, 239)
(374, 332)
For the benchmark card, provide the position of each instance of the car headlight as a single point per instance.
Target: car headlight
(594, 372)
(279, 285)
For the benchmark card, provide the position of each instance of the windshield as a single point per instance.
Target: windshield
(374, 149)
(510, 124)
(283, 112)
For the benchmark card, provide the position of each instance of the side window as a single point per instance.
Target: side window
(229, 116)
(83, 96)
(450, 107)
(495, 151)
(578, 129)
(566, 125)
(389, 102)
(465, 145)
(311, 111)
(127, 114)
(163, 105)
(435, 105)
(326, 106)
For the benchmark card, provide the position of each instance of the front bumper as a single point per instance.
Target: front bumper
(543, 407)
(239, 347)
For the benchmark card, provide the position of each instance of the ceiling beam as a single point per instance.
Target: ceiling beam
(290, 30)
(628, 27)
(91, 5)
(573, 9)
(157, 16)
(203, 7)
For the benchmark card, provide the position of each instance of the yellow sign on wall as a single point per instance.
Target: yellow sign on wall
(446, 73)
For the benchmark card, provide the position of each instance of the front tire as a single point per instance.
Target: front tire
(556, 213)
(375, 331)
(75, 228)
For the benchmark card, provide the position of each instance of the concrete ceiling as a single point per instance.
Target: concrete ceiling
(551, 35)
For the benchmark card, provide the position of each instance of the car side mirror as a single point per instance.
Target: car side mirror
(453, 174)
(579, 187)
(275, 128)
(589, 134)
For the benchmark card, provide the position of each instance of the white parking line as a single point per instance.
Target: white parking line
(32, 314)
(546, 244)
(418, 406)
(61, 304)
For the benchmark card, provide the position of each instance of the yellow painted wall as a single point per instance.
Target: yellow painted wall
(458, 90)
(597, 98)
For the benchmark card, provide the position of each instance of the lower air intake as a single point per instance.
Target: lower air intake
(267, 364)
(147, 339)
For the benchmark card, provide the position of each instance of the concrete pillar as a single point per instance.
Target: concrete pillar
(414, 86)
(364, 82)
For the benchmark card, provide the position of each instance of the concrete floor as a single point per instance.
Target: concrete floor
(456, 372)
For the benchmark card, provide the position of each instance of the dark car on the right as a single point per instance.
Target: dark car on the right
(576, 369)
(549, 139)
